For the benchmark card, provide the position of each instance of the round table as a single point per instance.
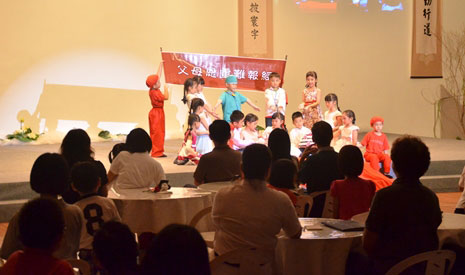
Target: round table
(318, 251)
(213, 187)
(452, 229)
(145, 211)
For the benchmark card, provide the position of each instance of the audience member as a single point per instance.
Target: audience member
(76, 147)
(117, 148)
(115, 249)
(352, 195)
(404, 217)
(96, 209)
(135, 168)
(221, 164)
(280, 146)
(50, 178)
(177, 250)
(250, 214)
(283, 177)
(41, 225)
(320, 169)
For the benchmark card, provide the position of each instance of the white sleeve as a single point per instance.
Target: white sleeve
(240, 142)
(282, 98)
(117, 163)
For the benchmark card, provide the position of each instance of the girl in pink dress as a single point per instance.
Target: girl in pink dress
(310, 106)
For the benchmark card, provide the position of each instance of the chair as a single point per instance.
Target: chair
(82, 266)
(436, 262)
(303, 206)
(328, 209)
(246, 260)
(207, 236)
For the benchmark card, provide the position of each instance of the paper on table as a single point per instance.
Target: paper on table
(312, 227)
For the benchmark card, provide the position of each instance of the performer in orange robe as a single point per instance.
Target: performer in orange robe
(157, 115)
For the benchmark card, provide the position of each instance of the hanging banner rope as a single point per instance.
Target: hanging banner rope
(252, 73)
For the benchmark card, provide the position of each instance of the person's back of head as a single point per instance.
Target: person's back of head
(85, 178)
(350, 161)
(41, 224)
(279, 144)
(50, 174)
(220, 131)
(256, 160)
(115, 248)
(322, 133)
(283, 174)
(138, 141)
(117, 148)
(76, 146)
(410, 157)
(177, 250)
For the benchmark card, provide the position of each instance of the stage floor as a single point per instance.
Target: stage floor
(16, 160)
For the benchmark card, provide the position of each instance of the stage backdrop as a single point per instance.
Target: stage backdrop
(426, 39)
(252, 73)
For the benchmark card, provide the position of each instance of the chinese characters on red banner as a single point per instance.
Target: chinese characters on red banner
(252, 73)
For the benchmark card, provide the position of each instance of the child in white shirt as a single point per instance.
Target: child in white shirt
(299, 134)
(277, 121)
(275, 97)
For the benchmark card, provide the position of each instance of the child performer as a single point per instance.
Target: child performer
(333, 115)
(199, 82)
(275, 99)
(232, 100)
(377, 145)
(204, 144)
(347, 133)
(250, 133)
(277, 121)
(157, 114)
(189, 92)
(310, 106)
(237, 121)
(352, 195)
(298, 134)
(188, 151)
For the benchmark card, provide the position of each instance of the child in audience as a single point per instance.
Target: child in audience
(283, 177)
(199, 83)
(188, 151)
(277, 121)
(50, 178)
(275, 97)
(333, 115)
(237, 121)
(96, 209)
(377, 145)
(347, 133)
(232, 100)
(117, 148)
(204, 144)
(352, 195)
(115, 249)
(41, 226)
(173, 244)
(298, 134)
(250, 133)
(310, 107)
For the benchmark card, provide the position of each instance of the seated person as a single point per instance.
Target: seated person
(405, 216)
(250, 133)
(320, 169)
(135, 168)
(41, 226)
(221, 164)
(283, 177)
(344, 191)
(237, 122)
(115, 249)
(96, 209)
(258, 213)
(298, 134)
(173, 244)
(277, 121)
(50, 178)
(377, 145)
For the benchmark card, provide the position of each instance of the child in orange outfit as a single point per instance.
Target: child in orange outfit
(377, 145)
(157, 114)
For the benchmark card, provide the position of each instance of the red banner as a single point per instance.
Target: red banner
(251, 73)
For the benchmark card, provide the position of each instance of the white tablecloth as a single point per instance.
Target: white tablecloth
(322, 251)
(145, 211)
(213, 187)
(452, 229)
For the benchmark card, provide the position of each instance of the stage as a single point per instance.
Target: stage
(447, 155)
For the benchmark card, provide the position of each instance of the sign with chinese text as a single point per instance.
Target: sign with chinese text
(251, 73)
(427, 34)
(256, 28)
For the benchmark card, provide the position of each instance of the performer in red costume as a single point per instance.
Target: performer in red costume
(157, 114)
